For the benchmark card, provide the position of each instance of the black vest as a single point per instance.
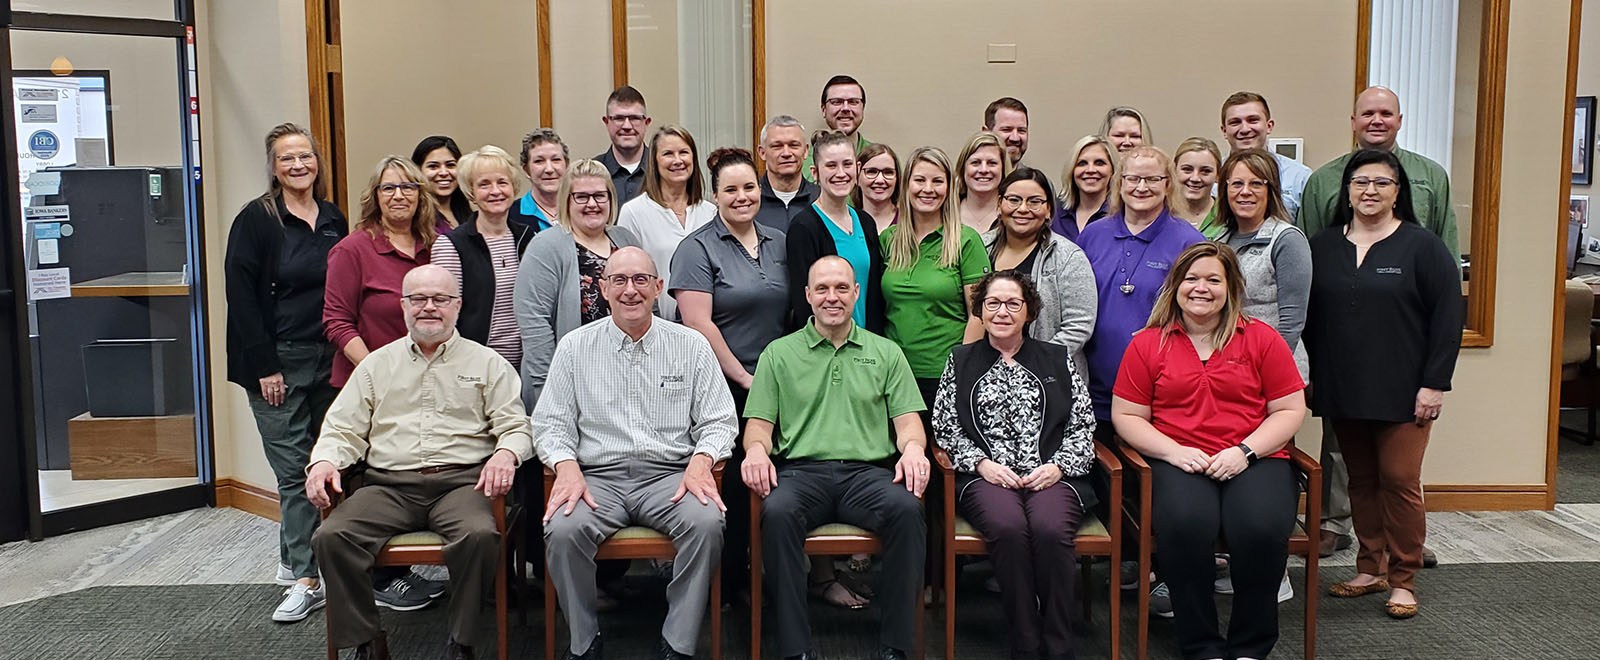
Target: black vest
(477, 275)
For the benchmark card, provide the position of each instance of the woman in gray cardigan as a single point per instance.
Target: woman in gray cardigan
(558, 280)
(1023, 241)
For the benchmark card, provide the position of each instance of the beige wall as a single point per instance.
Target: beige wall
(413, 68)
(580, 56)
(1589, 85)
(653, 58)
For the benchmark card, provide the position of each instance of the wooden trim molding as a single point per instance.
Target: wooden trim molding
(1491, 110)
(249, 498)
(1558, 303)
(619, 43)
(1486, 497)
(325, 82)
(547, 113)
(758, 70)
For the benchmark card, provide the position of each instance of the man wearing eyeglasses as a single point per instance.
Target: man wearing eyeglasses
(1246, 123)
(438, 421)
(626, 122)
(633, 417)
(1375, 121)
(844, 108)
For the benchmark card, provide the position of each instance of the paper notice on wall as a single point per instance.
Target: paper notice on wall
(47, 283)
(49, 251)
(43, 183)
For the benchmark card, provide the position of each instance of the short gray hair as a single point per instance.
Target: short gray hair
(781, 120)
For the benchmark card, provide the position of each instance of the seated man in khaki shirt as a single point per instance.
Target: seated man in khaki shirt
(438, 420)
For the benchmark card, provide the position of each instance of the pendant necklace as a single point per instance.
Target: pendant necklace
(1127, 282)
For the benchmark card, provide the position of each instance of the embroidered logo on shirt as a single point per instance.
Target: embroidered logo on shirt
(1160, 265)
(1388, 270)
(674, 381)
(470, 380)
(865, 361)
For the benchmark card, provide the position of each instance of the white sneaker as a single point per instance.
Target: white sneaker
(1285, 590)
(298, 603)
(1223, 584)
(285, 577)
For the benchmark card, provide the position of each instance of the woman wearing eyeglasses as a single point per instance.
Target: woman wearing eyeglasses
(1014, 414)
(830, 226)
(1058, 268)
(878, 185)
(558, 279)
(1383, 331)
(484, 251)
(1273, 254)
(361, 310)
(276, 266)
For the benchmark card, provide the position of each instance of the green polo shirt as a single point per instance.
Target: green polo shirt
(924, 306)
(831, 403)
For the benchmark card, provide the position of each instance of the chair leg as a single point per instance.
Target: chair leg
(755, 576)
(1313, 581)
(716, 614)
(922, 615)
(949, 601)
(1084, 602)
(500, 602)
(549, 614)
(327, 624)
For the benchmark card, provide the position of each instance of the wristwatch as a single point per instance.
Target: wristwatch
(1249, 454)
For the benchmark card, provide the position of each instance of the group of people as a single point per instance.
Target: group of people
(616, 318)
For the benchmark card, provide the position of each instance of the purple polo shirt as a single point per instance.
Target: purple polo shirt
(1066, 222)
(1122, 259)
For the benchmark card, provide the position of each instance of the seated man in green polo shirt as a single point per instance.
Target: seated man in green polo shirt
(830, 391)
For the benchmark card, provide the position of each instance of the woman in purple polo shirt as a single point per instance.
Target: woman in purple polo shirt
(1131, 251)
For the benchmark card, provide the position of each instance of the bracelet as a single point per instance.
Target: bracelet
(1249, 454)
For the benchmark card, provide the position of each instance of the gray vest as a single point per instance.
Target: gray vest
(1261, 280)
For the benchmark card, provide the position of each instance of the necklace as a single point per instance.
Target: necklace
(1127, 282)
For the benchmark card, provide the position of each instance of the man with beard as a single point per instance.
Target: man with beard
(1007, 117)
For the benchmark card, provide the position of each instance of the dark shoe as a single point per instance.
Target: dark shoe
(594, 652)
(669, 653)
(401, 595)
(1331, 542)
(1429, 560)
(454, 650)
(376, 649)
(889, 653)
(808, 655)
(433, 588)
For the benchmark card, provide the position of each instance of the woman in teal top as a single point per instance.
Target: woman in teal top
(829, 226)
(929, 275)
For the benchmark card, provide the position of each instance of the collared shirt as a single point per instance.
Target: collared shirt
(805, 167)
(404, 411)
(775, 212)
(659, 231)
(1430, 197)
(362, 299)
(925, 307)
(628, 184)
(527, 211)
(1292, 177)
(749, 295)
(610, 399)
(833, 403)
(1129, 270)
(1066, 220)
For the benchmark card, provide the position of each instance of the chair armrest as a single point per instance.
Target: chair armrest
(349, 480)
(942, 459)
(1107, 458)
(1303, 462)
(1134, 459)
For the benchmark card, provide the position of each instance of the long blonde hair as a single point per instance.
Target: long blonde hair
(421, 219)
(978, 141)
(1070, 197)
(1167, 311)
(903, 245)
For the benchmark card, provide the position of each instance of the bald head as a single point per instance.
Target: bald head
(830, 265)
(631, 259)
(832, 291)
(430, 274)
(630, 287)
(1375, 120)
(431, 302)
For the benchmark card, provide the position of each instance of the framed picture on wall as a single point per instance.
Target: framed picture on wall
(1583, 141)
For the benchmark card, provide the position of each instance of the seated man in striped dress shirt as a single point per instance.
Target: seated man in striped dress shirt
(633, 417)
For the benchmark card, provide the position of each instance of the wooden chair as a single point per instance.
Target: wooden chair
(424, 548)
(1580, 372)
(831, 540)
(1302, 541)
(633, 542)
(1094, 540)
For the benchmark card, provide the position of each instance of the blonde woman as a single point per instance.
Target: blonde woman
(1126, 128)
(558, 280)
(673, 204)
(983, 164)
(483, 251)
(1199, 163)
(1087, 181)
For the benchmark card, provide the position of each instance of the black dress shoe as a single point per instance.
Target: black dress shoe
(669, 653)
(454, 650)
(1429, 560)
(889, 653)
(594, 652)
(376, 649)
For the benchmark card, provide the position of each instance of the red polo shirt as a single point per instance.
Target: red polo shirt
(362, 296)
(1214, 405)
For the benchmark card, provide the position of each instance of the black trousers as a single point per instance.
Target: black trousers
(736, 496)
(1032, 538)
(810, 494)
(1254, 512)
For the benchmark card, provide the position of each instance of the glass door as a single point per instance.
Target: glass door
(103, 234)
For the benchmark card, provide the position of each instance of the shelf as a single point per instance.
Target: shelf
(132, 284)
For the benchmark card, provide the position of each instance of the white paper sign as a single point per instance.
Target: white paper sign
(47, 283)
(49, 252)
(43, 183)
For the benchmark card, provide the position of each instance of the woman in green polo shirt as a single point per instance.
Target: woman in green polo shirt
(933, 261)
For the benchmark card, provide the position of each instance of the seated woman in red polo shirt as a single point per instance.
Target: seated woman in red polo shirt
(1212, 397)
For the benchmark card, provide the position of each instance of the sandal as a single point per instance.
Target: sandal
(856, 584)
(827, 592)
(859, 564)
(1347, 590)
(1400, 610)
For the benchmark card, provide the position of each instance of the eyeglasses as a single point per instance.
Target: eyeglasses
(877, 172)
(290, 159)
(418, 300)
(584, 199)
(1012, 305)
(392, 189)
(1254, 186)
(1382, 183)
(842, 102)
(1134, 179)
(627, 119)
(640, 280)
(1031, 203)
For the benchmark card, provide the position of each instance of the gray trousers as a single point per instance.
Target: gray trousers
(1335, 484)
(392, 503)
(636, 493)
(287, 435)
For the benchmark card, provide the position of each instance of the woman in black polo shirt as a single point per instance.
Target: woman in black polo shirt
(1383, 329)
(276, 266)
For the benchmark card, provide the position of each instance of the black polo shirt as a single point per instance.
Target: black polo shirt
(276, 267)
(628, 184)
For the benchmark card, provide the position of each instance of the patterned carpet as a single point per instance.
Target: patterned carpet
(1469, 611)
(1577, 465)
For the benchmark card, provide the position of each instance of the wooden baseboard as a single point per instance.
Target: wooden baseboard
(1486, 497)
(248, 498)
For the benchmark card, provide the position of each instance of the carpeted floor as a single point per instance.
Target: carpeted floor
(1577, 466)
(1469, 611)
